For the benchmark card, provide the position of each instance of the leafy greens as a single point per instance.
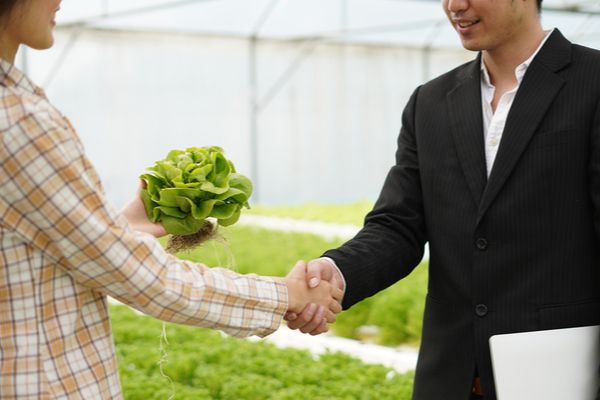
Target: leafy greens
(191, 185)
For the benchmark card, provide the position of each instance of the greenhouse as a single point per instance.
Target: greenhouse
(305, 95)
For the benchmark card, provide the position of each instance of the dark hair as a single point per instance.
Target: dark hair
(539, 4)
(6, 7)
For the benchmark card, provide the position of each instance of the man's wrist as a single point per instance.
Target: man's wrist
(334, 265)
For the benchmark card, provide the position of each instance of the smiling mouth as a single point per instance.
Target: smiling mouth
(466, 24)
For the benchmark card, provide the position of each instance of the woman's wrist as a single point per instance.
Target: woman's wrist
(295, 294)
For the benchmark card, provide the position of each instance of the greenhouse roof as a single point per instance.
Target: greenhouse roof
(413, 23)
(406, 23)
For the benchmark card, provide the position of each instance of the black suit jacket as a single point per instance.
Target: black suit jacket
(519, 251)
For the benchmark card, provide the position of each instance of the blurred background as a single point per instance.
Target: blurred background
(305, 96)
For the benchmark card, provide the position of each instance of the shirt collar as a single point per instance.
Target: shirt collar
(10, 75)
(520, 69)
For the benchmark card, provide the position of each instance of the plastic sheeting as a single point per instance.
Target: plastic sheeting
(329, 80)
(404, 23)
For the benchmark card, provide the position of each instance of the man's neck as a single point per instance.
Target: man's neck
(501, 62)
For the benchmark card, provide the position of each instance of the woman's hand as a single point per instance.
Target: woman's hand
(135, 213)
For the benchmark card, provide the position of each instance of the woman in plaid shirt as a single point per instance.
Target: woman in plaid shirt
(63, 249)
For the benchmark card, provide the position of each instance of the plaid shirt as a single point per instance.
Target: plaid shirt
(63, 249)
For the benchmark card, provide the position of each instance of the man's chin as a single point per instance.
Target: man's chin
(472, 45)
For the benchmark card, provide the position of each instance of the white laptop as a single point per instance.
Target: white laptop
(559, 364)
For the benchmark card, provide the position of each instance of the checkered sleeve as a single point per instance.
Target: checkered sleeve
(48, 196)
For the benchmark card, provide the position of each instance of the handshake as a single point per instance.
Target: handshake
(315, 292)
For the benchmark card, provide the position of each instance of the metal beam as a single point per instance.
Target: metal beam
(62, 57)
(367, 30)
(576, 7)
(253, 94)
(134, 11)
(310, 43)
(426, 59)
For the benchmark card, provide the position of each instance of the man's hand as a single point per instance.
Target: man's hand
(322, 301)
(318, 272)
(135, 213)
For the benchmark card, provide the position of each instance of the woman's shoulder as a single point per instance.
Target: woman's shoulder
(13, 107)
(17, 106)
(28, 119)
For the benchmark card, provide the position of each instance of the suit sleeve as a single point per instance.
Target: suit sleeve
(390, 245)
(594, 169)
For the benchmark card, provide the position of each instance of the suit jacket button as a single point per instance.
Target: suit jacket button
(481, 310)
(481, 244)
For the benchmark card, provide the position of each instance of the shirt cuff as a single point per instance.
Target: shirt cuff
(280, 302)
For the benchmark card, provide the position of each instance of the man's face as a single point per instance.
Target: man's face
(489, 24)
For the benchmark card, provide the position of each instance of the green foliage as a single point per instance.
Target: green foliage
(188, 186)
(260, 251)
(397, 311)
(353, 213)
(204, 364)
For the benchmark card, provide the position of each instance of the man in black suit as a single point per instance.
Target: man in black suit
(498, 168)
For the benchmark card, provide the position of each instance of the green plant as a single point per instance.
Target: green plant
(398, 310)
(204, 364)
(248, 249)
(189, 186)
(351, 213)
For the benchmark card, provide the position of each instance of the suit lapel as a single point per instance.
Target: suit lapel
(466, 124)
(538, 89)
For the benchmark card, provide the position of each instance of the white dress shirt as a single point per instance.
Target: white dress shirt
(493, 122)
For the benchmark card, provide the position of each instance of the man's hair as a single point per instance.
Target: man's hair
(539, 4)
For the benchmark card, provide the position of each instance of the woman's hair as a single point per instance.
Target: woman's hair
(6, 7)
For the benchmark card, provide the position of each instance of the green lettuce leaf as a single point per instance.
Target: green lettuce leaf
(191, 185)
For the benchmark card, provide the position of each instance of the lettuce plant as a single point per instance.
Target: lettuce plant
(191, 185)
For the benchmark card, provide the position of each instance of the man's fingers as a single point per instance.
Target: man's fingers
(290, 316)
(323, 327)
(315, 321)
(329, 316)
(337, 280)
(304, 317)
(335, 307)
(337, 293)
